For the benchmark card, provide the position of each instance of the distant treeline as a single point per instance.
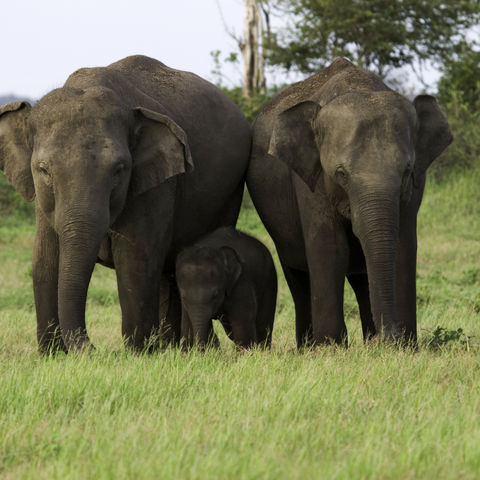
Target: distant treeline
(13, 98)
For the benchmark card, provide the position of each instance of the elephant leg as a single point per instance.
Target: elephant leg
(139, 246)
(328, 263)
(406, 267)
(170, 325)
(299, 285)
(231, 210)
(240, 313)
(138, 294)
(227, 327)
(266, 312)
(359, 284)
(45, 286)
(242, 323)
(213, 340)
(188, 337)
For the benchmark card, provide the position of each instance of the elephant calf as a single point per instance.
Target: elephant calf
(230, 276)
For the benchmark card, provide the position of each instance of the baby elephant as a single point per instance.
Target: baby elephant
(229, 276)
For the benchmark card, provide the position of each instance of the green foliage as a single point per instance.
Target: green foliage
(459, 95)
(460, 82)
(441, 337)
(11, 202)
(376, 34)
(249, 106)
(463, 153)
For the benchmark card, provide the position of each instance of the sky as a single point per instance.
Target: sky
(44, 41)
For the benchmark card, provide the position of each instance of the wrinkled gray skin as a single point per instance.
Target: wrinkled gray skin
(337, 174)
(108, 158)
(229, 276)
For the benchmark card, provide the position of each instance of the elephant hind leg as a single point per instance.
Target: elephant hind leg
(266, 311)
(359, 283)
(170, 312)
(299, 284)
(229, 214)
(227, 327)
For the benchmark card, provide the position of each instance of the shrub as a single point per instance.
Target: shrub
(12, 203)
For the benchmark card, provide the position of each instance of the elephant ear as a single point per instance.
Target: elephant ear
(293, 141)
(233, 267)
(15, 149)
(434, 134)
(160, 151)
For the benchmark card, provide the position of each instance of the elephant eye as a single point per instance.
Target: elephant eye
(42, 168)
(341, 174)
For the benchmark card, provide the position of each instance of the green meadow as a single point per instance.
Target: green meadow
(367, 412)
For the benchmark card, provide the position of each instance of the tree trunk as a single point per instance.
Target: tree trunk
(252, 51)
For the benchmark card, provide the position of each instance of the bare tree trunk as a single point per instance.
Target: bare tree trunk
(252, 46)
(264, 24)
(249, 48)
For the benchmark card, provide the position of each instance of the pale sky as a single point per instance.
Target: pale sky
(43, 41)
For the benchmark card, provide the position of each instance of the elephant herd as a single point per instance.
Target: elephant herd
(141, 168)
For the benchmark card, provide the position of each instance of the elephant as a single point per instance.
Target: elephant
(337, 173)
(231, 276)
(127, 164)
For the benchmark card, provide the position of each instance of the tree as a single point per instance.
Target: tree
(251, 46)
(377, 34)
(460, 82)
(459, 95)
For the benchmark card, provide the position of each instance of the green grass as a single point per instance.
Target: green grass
(369, 411)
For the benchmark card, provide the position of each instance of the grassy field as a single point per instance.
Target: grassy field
(368, 411)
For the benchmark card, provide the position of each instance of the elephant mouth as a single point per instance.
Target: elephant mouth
(343, 209)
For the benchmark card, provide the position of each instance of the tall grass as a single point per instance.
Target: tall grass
(369, 411)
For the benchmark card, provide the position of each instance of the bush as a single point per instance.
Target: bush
(459, 96)
(249, 106)
(12, 203)
(463, 153)
(460, 82)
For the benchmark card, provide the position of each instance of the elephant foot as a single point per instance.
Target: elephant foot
(51, 344)
(79, 343)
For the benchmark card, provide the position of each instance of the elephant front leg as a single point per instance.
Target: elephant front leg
(45, 286)
(266, 311)
(138, 280)
(327, 257)
(170, 317)
(299, 284)
(406, 289)
(241, 309)
(188, 335)
(359, 284)
(139, 247)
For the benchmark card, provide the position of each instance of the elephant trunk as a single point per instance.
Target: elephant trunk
(201, 319)
(375, 222)
(80, 236)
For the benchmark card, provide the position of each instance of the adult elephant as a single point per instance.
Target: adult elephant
(337, 174)
(103, 157)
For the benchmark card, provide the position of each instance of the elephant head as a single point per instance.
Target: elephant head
(81, 153)
(205, 277)
(366, 152)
